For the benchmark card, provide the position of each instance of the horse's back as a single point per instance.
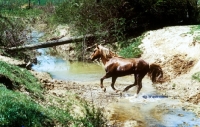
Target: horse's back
(140, 64)
(136, 61)
(129, 65)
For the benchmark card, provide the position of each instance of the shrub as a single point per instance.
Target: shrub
(130, 49)
(93, 116)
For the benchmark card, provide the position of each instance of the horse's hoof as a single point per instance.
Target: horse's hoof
(120, 94)
(117, 91)
(104, 89)
(135, 96)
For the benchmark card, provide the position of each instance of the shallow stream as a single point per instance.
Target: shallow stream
(156, 110)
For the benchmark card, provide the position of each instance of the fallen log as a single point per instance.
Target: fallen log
(52, 43)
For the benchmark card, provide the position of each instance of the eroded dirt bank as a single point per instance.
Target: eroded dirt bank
(177, 50)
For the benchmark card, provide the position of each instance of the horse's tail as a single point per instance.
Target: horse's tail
(155, 73)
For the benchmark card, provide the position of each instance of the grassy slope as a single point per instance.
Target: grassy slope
(27, 104)
(17, 108)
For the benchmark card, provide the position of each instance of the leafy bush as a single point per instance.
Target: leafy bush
(93, 117)
(130, 49)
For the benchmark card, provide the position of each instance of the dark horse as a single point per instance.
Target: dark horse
(116, 66)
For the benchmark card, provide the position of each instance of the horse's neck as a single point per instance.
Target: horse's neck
(107, 57)
(104, 60)
(113, 54)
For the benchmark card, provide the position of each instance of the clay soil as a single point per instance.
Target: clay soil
(176, 49)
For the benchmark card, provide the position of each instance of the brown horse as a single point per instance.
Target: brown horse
(116, 66)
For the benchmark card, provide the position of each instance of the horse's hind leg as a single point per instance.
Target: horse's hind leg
(128, 87)
(139, 82)
(112, 84)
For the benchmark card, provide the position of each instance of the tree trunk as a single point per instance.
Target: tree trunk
(29, 4)
(52, 43)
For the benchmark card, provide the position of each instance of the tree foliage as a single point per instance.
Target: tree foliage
(122, 18)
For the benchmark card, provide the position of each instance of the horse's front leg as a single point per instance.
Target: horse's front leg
(101, 81)
(101, 84)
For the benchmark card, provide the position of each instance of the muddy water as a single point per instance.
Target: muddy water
(148, 109)
(151, 109)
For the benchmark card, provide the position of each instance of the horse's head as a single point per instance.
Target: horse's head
(96, 53)
(102, 52)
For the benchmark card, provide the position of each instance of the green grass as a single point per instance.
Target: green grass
(34, 2)
(196, 76)
(15, 9)
(17, 109)
(22, 13)
(32, 108)
(196, 29)
(21, 78)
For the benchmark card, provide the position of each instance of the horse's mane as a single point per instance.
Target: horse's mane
(106, 52)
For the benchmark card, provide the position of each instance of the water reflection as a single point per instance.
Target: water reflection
(161, 111)
(79, 71)
(68, 71)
